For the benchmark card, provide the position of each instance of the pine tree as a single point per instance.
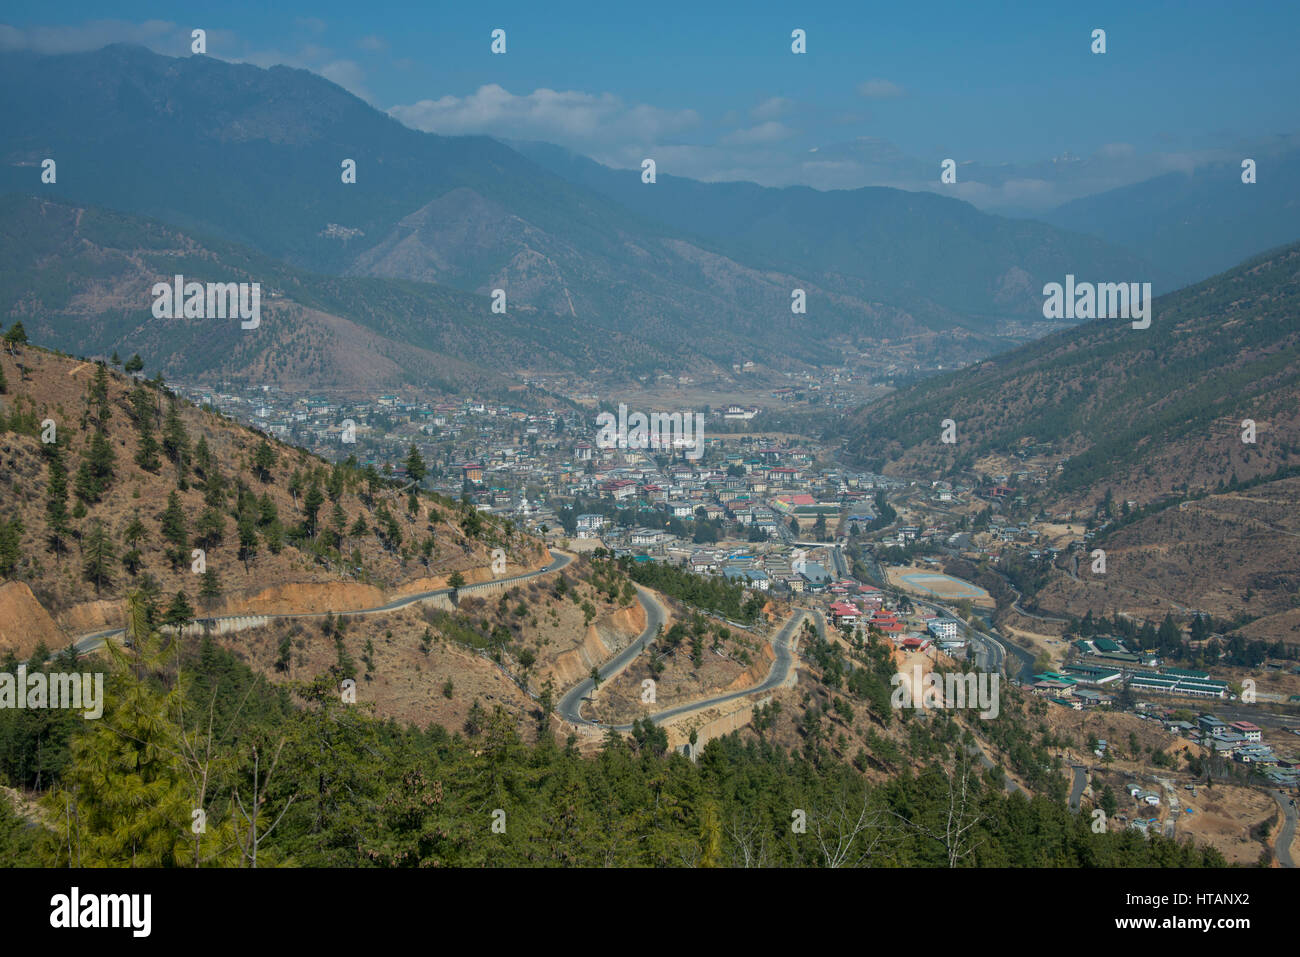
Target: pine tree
(264, 461)
(311, 507)
(146, 455)
(99, 393)
(56, 498)
(174, 529)
(126, 797)
(133, 364)
(203, 460)
(98, 556)
(142, 407)
(415, 467)
(266, 510)
(17, 336)
(247, 538)
(176, 440)
(179, 613)
(210, 589)
(133, 560)
(97, 469)
(211, 528)
(10, 547)
(334, 487)
(274, 536)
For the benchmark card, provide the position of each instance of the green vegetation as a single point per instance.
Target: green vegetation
(349, 790)
(711, 594)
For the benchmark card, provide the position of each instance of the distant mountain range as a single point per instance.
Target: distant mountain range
(255, 157)
(1193, 225)
(969, 267)
(80, 279)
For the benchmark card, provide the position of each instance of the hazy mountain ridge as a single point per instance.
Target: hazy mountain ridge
(255, 156)
(80, 279)
(1192, 225)
(1141, 411)
(940, 256)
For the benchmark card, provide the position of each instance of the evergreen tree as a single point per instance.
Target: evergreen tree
(95, 475)
(311, 507)
(264, 461)
(124, 800)
(203, 460)
(98, 394)
(98, 557)
(146, 455)
(174, 529)
(56, 498)
(176, 440)
(247, 538)
(179, 613)
(11, 532)
(210, 589)
(415, 467)
(211, 528)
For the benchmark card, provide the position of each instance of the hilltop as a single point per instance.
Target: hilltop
(135, 479)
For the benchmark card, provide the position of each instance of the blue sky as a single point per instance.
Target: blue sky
(1011, 91)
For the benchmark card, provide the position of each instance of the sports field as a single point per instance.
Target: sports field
(938, 585)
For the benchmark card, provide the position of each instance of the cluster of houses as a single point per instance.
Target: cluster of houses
(1240, 739)
(861, 608)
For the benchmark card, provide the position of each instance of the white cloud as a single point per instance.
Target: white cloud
(372, 44)
(880, 90)
(570, 118)
(771, 108)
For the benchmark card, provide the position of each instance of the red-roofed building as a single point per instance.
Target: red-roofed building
(886, 622)
(1251, 732)
(619, 488)
(843, 613)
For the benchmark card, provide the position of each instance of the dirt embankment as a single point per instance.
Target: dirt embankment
(25, 616)
(603, 638)
(24, 622)
(756, 672)
(472, 576)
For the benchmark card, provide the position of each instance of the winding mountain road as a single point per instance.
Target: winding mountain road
(90, 642)
(570, 708)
